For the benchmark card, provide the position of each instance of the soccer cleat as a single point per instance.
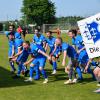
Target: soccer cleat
(54, 72)
(97, 91)
(98, 84)
(29, 80)
(68, 82)
(75, 80)
(45, 81)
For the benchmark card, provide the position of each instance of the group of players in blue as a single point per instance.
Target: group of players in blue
(78, 60)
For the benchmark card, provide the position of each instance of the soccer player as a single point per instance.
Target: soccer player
(16, 43)
(38, 38)
(39, 57)
(22, 57)
(72, 34)
(72, 54)
(83, 56)
(78, 44)
(50, 42)
(11, 43)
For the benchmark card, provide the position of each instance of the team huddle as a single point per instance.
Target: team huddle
(78, 60)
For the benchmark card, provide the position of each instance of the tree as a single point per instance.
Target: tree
(38, 11)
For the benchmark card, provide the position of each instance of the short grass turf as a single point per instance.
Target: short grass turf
(17, 89)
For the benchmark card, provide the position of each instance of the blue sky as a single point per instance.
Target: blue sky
(10, 9)
(77, 7)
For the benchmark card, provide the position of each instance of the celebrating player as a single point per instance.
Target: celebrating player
(39, 57)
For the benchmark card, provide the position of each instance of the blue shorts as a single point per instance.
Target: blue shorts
(41, 61)
(83, 57)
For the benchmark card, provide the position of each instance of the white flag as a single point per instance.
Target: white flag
(90, 31)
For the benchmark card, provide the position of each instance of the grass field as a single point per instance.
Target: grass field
(11, 89)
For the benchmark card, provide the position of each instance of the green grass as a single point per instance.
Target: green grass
(11, 89)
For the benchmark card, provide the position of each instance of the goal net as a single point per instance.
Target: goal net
(53, 27)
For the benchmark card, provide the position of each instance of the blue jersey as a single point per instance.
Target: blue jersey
(17, 35)
(73, 41)
(51, 42)
(34, 50)
(39, 40)
(24, 55)
(78, 41)
(18, 41)
(70, 50)
(11, 44)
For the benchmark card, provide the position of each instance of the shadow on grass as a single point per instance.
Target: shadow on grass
(59, 70)
(60, 75)
(6, 79)
(87, 80)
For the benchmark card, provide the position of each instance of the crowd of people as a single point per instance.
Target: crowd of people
(78, 60)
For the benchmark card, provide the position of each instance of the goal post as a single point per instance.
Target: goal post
(53, 27)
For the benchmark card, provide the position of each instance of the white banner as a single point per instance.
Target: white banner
(90, 31)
